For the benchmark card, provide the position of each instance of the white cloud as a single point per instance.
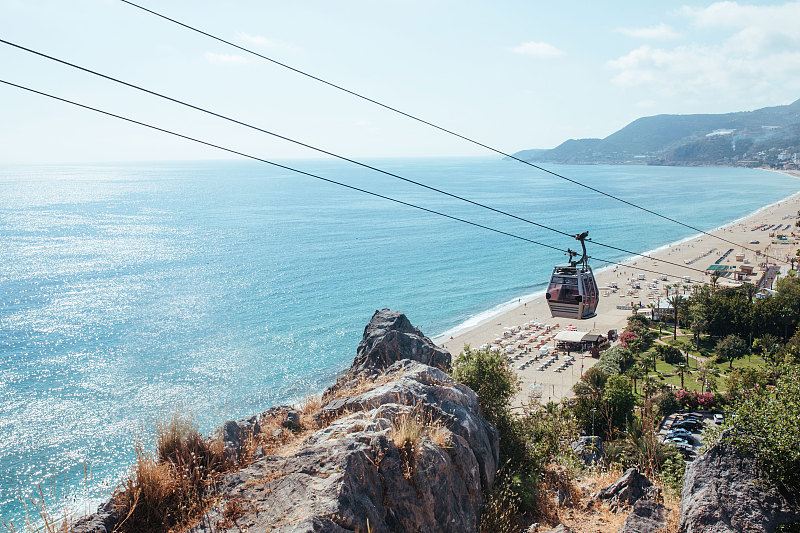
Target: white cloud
(757, 57)
(225, 59)
(661, 32)
(257, 40)
(533, 48)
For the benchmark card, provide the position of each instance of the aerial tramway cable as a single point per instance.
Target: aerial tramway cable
(349, 160)
(309, 174)
(440, 128)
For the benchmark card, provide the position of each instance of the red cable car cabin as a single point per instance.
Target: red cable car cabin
(573, 292)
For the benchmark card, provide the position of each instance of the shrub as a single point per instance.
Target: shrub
(638, 321)
(485, 372)
(667, 403)
(687, 399)
(619, 398)
(615, 360)
(168, 488)
(627, 337)
(766, 424)
(669, 354)
(705, 400)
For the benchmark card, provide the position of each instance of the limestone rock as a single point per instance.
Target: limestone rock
(390, 337)
(360, 471)
(627, 490)
(103, 521)
(646, 516)
(353, 474)
(589, 449)
(724, 493)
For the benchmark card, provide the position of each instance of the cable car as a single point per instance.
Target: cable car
(573, 290)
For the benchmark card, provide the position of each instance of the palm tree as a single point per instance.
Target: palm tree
(714, 279)
(650, 385)
(685, 288)
(750, 291)
(675, 301)
(698, 325)
(636, 372)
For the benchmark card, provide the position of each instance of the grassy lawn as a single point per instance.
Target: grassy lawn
(686, 343)
(664, 368)
(689, 382)
(754, 361)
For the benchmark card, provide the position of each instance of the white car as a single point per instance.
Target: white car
(719, 418)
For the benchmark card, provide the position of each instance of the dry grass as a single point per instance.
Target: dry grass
(587, 516)
(356, 386)
(47, 522)
(409, 429)
(170, 487)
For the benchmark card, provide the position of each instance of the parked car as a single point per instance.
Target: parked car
(719, 418)
(691, 425)
(679, 432)
(679, 440)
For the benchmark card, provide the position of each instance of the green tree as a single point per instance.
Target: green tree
(635, 373)
(732, 347)
(589, 406)
(770, 347)
(675, 301)
(669, 354)
(486, 373)
(620, 400)
(766, 424)
(707, 376)
(749, 290)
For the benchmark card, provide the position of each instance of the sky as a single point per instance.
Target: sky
(510, 74)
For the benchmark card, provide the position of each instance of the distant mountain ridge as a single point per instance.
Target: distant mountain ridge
(769, 136)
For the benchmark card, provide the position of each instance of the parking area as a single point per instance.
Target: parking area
(684, 430)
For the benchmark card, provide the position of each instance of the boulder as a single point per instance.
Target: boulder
(361, 471)
(627, 490)
(103, 521)
(589, 449)
(723, 492)
(390, 337)
(364, 469)
(646, 516)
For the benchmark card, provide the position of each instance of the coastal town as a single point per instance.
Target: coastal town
(551, 354)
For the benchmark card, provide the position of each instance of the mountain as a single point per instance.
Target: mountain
(768, 136)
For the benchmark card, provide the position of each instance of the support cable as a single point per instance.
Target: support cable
(309, 174)
(440, 128)
(332, 154)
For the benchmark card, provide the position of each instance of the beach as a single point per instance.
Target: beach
(686, 258)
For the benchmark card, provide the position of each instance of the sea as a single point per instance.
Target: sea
(216, 289)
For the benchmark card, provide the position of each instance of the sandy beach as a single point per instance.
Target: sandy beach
(694, 254)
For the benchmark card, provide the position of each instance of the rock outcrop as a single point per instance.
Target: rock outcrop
(627, 490)
(589, 449)
(399, 446)
(391, 337)
(646, 516)
(407, 451)
(723, 492)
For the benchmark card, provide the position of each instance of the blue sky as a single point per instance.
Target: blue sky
(512, 74)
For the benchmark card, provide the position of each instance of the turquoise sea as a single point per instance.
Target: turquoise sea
(128, 291)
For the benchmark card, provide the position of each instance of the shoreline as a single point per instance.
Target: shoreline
(485, 327)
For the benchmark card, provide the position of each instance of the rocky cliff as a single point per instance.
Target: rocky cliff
(724, 492)
(397, 445)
